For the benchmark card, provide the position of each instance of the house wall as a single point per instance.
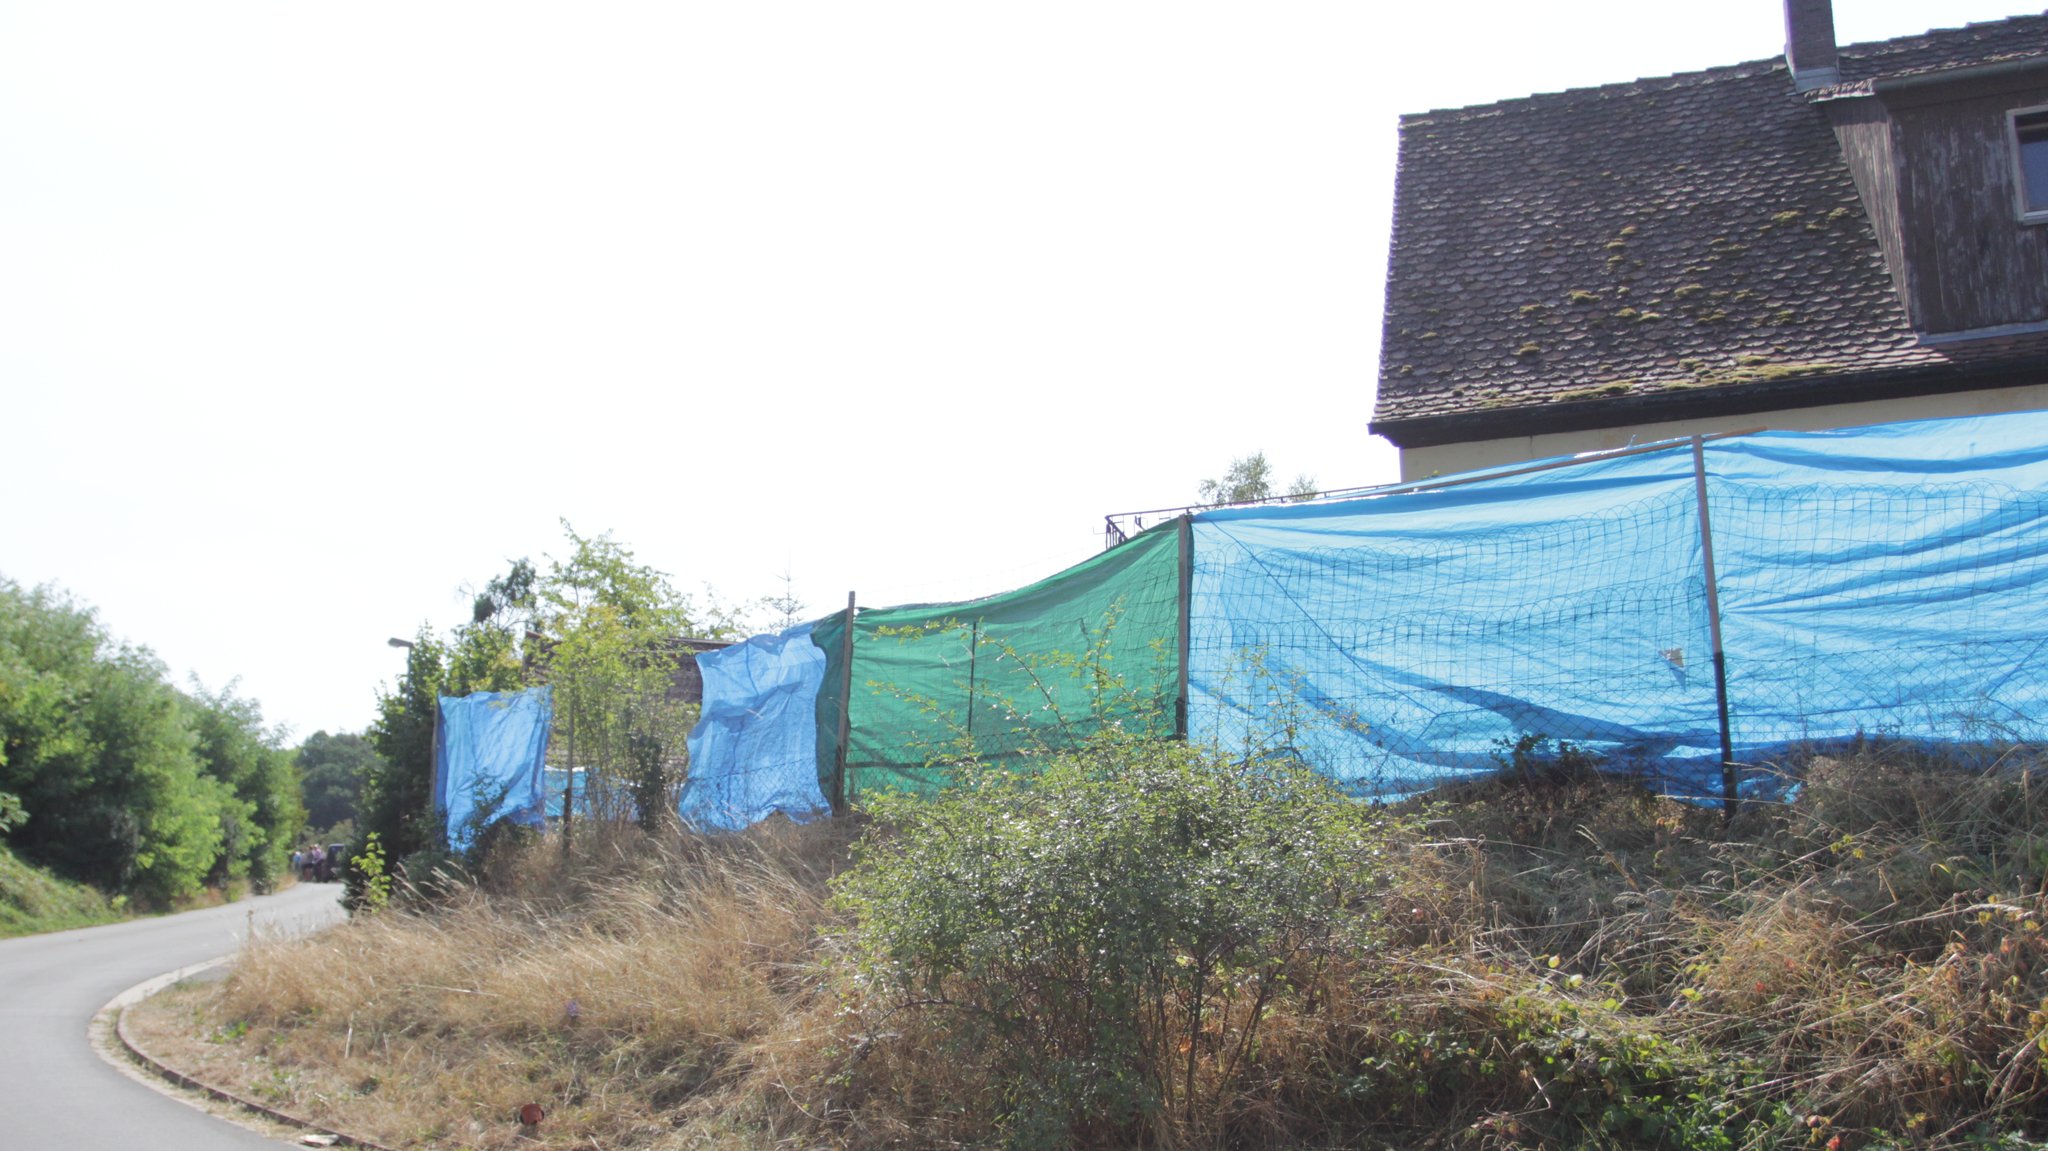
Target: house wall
(1969, 262)
(1449, 459)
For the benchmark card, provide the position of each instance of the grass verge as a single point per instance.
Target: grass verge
(33, 901)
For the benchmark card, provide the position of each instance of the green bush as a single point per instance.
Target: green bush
(1102, 939)
(1526, 1061)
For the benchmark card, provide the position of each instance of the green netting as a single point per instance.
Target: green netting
(993, 679)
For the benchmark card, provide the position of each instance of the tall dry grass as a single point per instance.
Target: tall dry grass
(1862, 962)
(1569, 961)
(613, 989)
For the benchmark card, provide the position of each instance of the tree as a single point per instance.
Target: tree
(491, 648)
(1249, 480)
(122, 781)
(101, 754)
(785, 608)
(509, 598)
(333, 768)
(396, 802)
(601, 628)
(611, 626)
(263, 814)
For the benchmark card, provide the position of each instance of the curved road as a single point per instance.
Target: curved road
(56, 1094)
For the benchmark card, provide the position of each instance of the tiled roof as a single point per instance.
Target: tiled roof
(1995, 42)
(1667, 235)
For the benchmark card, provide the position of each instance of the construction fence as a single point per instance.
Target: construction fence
(1699, 613)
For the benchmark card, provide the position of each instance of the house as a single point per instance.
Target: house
(687, 685)
(1844, 236)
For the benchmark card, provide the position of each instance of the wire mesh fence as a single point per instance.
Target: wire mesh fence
(1698, 613)
(1399, 661)
(617, 754)
(926, 687)
(1702, 635)
(1920, 625)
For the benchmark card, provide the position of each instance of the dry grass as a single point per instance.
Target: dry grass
(614, 992)
(1568, 961)
(1869, 954)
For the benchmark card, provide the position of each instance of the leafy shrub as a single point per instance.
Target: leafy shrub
(369, 876)
(1536, 1059)
(1100, 942)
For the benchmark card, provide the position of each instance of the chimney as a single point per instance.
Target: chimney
(1810, 44)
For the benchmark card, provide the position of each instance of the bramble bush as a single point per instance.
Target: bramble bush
(1097, 944)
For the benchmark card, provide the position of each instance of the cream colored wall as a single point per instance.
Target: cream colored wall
(1422, 463)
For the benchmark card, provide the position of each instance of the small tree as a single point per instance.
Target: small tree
(601, 628)
(609, 625)
(1249, 480)
(397, 803)
(785, 609)
(397, 797)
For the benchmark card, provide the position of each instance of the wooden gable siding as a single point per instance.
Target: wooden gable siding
(1969, 263)
(1863, 129)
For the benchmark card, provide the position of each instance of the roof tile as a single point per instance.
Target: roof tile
(1667, 234)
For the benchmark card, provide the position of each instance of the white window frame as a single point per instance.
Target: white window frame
(2039, 114)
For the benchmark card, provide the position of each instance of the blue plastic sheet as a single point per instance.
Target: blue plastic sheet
(1889, 580)
(488, 757)
(1879, 581)
(754, 750)
(557, 780)
(1400, 642)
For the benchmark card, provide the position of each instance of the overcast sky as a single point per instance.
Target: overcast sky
(313, 314)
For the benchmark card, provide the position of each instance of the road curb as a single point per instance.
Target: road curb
(114, 1016)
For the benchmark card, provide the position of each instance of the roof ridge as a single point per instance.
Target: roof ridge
(1898, 43)
(1866, 51)
(1746, 70)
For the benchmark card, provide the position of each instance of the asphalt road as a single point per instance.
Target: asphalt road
(56, 1094)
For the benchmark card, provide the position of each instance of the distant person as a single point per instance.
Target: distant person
(316, 864)
(298, 864)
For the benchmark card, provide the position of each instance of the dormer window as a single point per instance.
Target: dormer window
(2030, 158)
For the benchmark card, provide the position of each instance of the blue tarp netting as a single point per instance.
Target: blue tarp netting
(754, 750)
(556, 780)
(1880, 581)
(487, 760)
(1889, 581)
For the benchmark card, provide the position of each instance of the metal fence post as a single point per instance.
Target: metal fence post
(569, 774)
(1699, 479)
(973, 659)
(1185, 598)
(845, 711)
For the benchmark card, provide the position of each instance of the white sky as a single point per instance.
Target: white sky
(311, 314)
